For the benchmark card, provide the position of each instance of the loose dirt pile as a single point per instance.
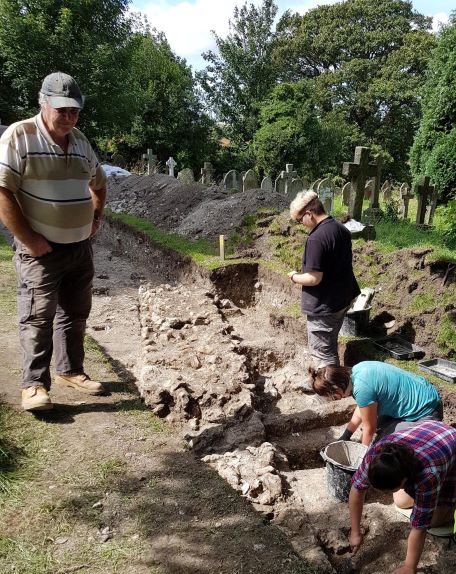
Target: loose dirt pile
(190, 210)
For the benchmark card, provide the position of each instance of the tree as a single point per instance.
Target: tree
(242, 73)
(434, 149)
(367, 60)
(291, 132)
(87, 39)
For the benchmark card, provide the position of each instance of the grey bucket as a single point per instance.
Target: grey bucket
(342, 460)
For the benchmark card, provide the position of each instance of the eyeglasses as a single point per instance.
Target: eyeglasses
(68, 111)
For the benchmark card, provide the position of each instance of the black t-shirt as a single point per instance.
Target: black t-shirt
(328, 249)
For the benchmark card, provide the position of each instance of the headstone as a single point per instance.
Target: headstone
(266, 184)
(287, 176)
(249, 181)
(279, 185)
(171, 163)
(207, 173)
(346, 193)
(373, 213)
(424, 191)
(405, 196)
(295, 187)
(358, 171)
(186, 176)
(369, 188)
(432, 206)
(118, 160)
(325, 192)
(232, 180)
(386, 191)
(149, 161)
(314, 185)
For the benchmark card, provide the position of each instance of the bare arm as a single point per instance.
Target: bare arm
(369, 421)
(415, 546)
(308, 279)
(98, 200)
(355, 506)
(12, 216)
(355, 421)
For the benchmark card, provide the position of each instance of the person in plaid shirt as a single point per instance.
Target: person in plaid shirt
(418, 465)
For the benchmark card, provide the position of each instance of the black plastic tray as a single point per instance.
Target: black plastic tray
(442, 368)
(399, 348)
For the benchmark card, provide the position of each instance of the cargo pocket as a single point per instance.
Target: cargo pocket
(25, 303)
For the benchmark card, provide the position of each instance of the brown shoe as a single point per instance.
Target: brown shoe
(36, 398)
(80, 382)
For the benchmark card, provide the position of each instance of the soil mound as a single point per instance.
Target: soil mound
(191, 210)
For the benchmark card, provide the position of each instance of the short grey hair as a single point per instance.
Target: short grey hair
(42, 100)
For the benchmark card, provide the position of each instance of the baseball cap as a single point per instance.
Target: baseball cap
(62, 91)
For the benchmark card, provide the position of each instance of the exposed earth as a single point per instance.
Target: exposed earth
(217, 356)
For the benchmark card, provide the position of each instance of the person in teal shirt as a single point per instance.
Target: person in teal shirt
(387, 398)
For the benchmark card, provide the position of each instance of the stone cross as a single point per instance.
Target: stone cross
(424, 191)
(406, 196)
(150, 160)
(171, 165)
(358, 171)
(207, 173)
(288, 175)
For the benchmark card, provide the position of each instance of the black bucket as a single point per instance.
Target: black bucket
(355, 323)
(342, 460)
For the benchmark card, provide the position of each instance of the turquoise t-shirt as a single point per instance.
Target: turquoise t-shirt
(398, 394)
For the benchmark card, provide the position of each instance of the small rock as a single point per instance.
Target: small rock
(245, 488)
(98, 504)
(61, 540)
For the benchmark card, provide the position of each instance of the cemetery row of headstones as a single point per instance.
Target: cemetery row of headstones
(364, 184)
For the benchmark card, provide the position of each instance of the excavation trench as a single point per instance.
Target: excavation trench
(220, 360)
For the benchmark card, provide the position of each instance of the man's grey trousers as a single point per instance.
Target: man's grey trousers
(322, 334)
(54, 297)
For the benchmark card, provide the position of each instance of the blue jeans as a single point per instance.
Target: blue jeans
(54, 298)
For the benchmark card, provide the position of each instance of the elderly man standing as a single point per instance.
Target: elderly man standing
(52, 196)
(327, 280)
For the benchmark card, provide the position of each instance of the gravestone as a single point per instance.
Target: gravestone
(249, 181)
(279, 185)
(266, 184)
(425, 191)
(186, 176)
(346, 193)
(232, 180)
(171, 163)
(149, 161)
(405, 196)
(207, 173)
(432, 206)
(286, 178)
(325, 192)
(119, 160)
(314, 185)
(386, 191)
(373, 213)
(369, 188)
(359, 170)
(295, 187)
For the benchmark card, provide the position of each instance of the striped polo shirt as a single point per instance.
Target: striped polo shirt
(51, 186)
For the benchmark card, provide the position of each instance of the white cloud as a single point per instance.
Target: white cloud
(187, 25)
(438, 20)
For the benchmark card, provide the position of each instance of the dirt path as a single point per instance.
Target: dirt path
(100, 485)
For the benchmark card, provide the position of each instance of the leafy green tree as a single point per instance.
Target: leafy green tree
(291, 132)
(434, 148)
(241, 74)
(168, 116)
(367, 60)
(87, 39)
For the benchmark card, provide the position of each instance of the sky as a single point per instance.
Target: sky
(187, 24)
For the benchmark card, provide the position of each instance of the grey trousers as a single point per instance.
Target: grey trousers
(54, 297)
(322, 333)
(387, 425)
